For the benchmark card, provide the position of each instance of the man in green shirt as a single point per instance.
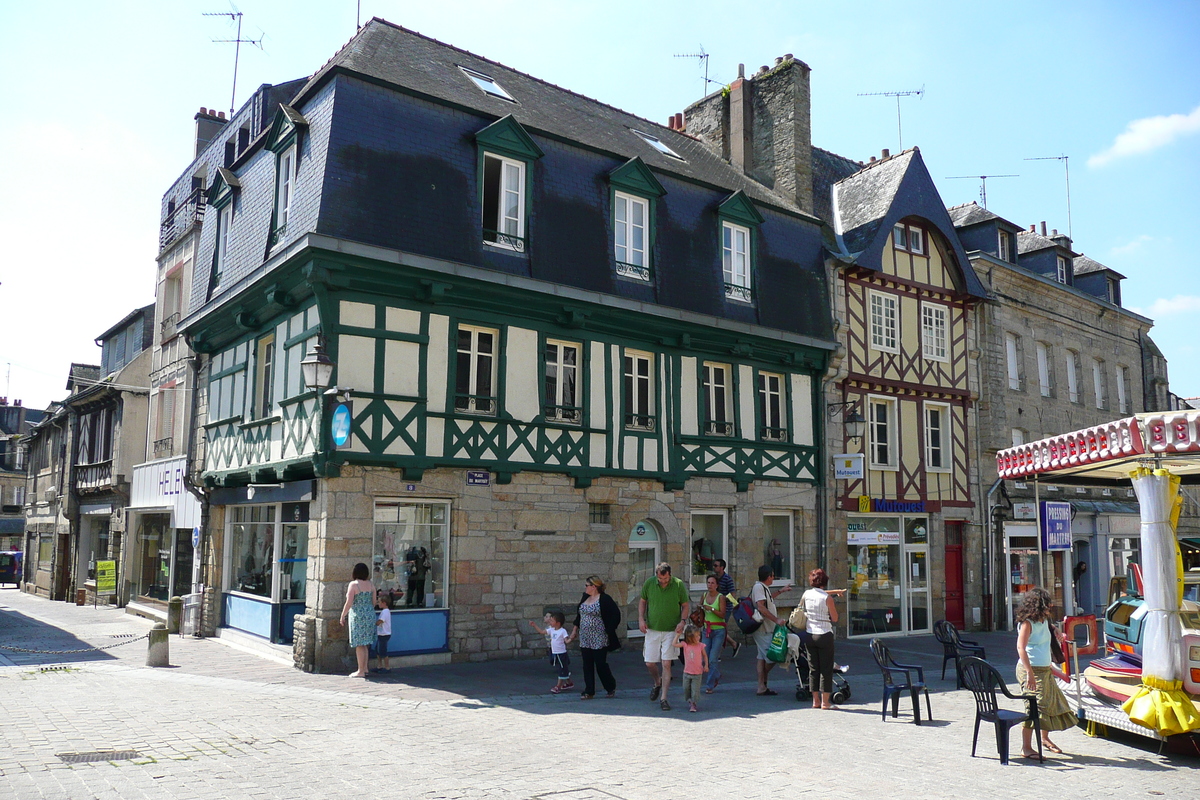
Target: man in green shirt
(662, 608)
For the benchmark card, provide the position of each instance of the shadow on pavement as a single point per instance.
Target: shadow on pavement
(20, 631)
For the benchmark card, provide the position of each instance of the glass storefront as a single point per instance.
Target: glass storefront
(410, 545)
(889, 575)
(251, 547)
(152, 558)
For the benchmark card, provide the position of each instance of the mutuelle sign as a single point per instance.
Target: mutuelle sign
(877, 505)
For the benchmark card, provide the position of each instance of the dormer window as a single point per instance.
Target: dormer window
(1002, 248)
(487, 84)
(1062, 270)
(909, 238)
(657, 144)
(1114, 291)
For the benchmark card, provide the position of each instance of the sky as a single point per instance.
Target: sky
(98, 102)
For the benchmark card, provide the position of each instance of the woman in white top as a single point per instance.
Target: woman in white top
(822, 614)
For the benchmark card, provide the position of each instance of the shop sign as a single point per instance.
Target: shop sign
(1056, 525)
(848, 466)
(106, 577)
(479, 477)
(872, 537)
(1025, 510)
(880, 506)
(339, 426)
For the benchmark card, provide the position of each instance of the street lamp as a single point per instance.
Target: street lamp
(856, 426)
(317, 367)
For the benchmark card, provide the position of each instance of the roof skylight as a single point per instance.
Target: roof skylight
(488, 85)
(654, 142)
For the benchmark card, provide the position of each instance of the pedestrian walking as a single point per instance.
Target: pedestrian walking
(1033, 670)
(764, 602)
(822, 614)
(725, 586)
(714, 605)
(596, 628)
(557, 634)
(695, 664)
(360, 610)
(662, 607)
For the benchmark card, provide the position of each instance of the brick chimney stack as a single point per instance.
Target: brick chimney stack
(209, 123)
(763, 126)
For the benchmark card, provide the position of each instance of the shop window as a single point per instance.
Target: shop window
(1124, 551)
(709, 542)
(152, 558)
(251, 549)
(779, 545)
(410, 545)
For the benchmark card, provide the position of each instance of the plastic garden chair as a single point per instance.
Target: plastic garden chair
(955, 647)
(894, 685)
(984, 681)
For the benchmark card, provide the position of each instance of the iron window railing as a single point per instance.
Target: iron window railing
(735, 291)
(475, 403)
(162, 447)
(572, 414)
(644, 422)
(715, 427)
(636, 271)
(181, 218)
(507, 240)
(769, 434)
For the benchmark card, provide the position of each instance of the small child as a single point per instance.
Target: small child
(557, 635)
(695, 664)
(383, 632)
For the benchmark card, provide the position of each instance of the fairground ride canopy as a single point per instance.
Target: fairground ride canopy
(1106, 454)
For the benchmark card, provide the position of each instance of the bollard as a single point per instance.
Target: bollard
(159, 653)
(80, 597)
(174, 614)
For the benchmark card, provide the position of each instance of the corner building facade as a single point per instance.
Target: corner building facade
(562, 349)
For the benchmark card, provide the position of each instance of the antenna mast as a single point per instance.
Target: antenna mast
(982, 182)
(237, 42)
(703, 56)
(899, 129)
(1066, 161)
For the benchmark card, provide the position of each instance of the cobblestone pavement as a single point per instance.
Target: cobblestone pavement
(221, 723)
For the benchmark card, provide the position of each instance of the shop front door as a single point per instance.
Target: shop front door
(643, 557)
(955, 610)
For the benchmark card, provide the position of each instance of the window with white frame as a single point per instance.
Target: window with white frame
(224, 224)
(937, 432)
(933, 332)
(630, 242)
(779, 545)
(475, 373)
(735, 261)
(882, 432)
(1098, 383)
(884, 321)
(561, 385)
(284, 190)
(709, 542)
(1073, 376)
(1002, 249)
(487, 84)
(909, 238)
(639, 391)
(1062, 270)
(264, 376)
(1043, 364)
(771, 415)
(1012, 350)
(717, 418)
(19, 495)
(503, 202)
(1122, 389)
(1018, 437)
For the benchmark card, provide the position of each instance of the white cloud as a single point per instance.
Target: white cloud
(1165, 307)
(1131, 247)
(1150, 133)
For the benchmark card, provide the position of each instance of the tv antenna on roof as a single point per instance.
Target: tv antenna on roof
(918, 92)
(703, 56)
(237, 41)
(1066, 161)
(982, 183)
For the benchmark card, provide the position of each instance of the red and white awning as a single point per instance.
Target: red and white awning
(1110, 451)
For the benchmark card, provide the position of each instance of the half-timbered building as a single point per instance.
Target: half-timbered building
(567, 342)
(904, 294)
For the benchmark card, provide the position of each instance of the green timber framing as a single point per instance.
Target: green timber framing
(325, 271)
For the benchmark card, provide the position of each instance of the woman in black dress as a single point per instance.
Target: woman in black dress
(596, 627)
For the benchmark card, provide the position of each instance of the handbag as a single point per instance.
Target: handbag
(799, 617)
(777, 652)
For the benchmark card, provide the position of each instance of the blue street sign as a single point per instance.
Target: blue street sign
(340, 426)
(196, 536)
(1056, 525)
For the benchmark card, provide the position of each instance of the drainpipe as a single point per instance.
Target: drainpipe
(199, 492)
(990, 526)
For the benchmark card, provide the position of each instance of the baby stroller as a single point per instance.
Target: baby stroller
(798, 658)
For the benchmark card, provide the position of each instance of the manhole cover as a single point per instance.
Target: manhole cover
(99, 755)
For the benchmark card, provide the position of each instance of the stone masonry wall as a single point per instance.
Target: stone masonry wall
(500, 576)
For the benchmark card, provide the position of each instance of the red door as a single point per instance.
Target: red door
(954, 575)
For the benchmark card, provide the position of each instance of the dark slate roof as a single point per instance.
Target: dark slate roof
(827, 169)
(130, 317)
(386, 52)
(867, 204)
(1083, 265)
(862, 200)
(972, 213)
(85, 374)
(1032, 241)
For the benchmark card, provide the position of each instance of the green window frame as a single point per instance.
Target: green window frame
(506, 154)
(634, 190)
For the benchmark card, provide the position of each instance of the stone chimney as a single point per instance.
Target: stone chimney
(209, 123)
(762, 126)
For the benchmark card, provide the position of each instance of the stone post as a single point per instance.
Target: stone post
(174, 614)
(158, 654)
